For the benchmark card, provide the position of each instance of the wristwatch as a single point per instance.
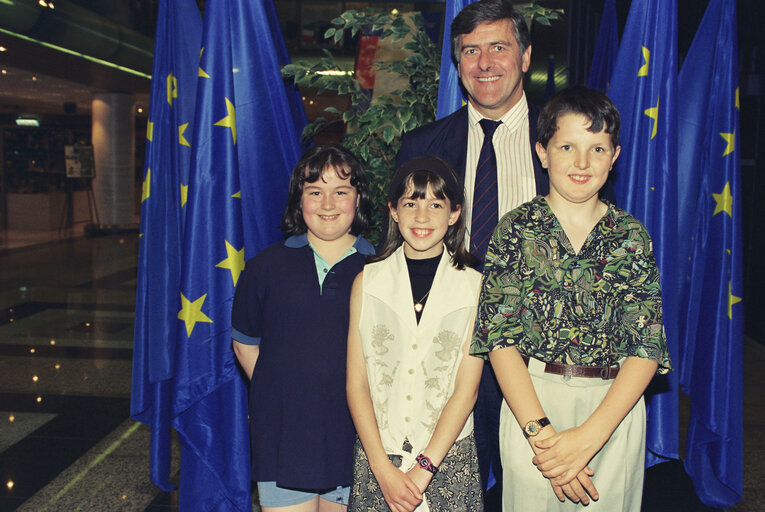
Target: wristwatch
(533, 427)
(424, 462)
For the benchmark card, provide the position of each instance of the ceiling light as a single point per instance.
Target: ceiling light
(3, 49)
(28, 120)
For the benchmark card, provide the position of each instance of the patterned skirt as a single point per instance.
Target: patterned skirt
(455, 488)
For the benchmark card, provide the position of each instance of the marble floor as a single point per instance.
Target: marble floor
(66, 328)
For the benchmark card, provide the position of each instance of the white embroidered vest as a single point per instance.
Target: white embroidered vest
(412, 367)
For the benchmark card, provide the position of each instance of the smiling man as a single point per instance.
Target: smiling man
(490, 143)
(492, 50)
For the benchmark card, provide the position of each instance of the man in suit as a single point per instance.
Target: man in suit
(491, 47)
(492, 50)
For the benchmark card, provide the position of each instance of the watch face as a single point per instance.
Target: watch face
(533, 428)
(424, 462)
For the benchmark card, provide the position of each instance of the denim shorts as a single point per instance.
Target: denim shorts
(270, 495)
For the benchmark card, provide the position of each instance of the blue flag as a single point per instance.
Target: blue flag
(449, 91)
(173, 95)
(643, 87)
(606, 46)
(245, 143)
(710, 213)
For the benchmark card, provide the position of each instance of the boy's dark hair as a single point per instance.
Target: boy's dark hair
(418, 182)
(488, 11)
(577, 99)
(310, 168)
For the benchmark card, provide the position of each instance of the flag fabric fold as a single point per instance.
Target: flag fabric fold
(606, 47)
(245, 143)
(710, 250)
(644, 88)
(223, 135)
(173, 95)
(449, 90)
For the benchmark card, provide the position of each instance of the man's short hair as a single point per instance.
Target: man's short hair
(577, 99)
(488, 11)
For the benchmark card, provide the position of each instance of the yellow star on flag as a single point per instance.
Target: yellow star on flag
(146, 186)
(230, 120)
(201, 71)
(732, 299)
(234, 261)
(184, 194)
(643, 71)
(653, 113)
(181, 139)
(237, 195)
(724, 201)
(737, 100)
(149, 131)
(191, 313)
(172, 88)
(730, 139)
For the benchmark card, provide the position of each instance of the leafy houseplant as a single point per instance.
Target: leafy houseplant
(374, 128)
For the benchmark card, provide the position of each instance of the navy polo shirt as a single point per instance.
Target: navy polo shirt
(300, 426)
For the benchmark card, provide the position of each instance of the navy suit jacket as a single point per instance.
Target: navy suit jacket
(447, 139)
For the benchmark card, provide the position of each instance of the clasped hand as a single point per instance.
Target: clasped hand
(562, 458)
(403, 491)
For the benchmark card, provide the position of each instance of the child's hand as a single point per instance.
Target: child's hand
(401, 493)
(578, 490)
(420, 477)
(565, 455)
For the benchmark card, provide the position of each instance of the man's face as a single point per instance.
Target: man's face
(491, 67)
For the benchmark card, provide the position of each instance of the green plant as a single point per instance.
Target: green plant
(374, 128)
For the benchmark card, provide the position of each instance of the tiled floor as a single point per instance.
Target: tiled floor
(66, 327)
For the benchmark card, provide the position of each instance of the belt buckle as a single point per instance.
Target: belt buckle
(605, 372)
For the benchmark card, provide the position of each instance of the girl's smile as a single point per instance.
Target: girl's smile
(423, 223)
(329, 206)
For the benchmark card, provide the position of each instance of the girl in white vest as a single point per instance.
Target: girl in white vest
(411, 382)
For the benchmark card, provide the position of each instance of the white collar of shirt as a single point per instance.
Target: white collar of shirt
(512, 120)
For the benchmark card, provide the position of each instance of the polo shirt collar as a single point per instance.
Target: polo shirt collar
(361, 245)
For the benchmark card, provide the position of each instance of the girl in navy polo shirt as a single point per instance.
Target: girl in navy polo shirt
(290, 326)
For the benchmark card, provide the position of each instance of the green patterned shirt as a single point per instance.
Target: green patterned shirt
(591, 308)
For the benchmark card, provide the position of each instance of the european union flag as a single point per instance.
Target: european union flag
(449, 91)
(245, 143)
(168, 154)
(643, 87)
(606, 46)
(710, 212)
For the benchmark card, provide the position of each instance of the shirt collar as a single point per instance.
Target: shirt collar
(296, 241)
(361, 245)
(512, 120)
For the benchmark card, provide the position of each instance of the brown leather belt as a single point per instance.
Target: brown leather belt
(572, 370)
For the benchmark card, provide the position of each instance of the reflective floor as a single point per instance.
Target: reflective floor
(66, 328)
(66, 336)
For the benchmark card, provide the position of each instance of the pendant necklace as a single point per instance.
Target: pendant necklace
(421, 303)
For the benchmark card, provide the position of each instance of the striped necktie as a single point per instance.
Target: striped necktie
(485, 202)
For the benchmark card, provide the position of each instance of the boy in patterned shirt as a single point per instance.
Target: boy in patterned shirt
(570, 317)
